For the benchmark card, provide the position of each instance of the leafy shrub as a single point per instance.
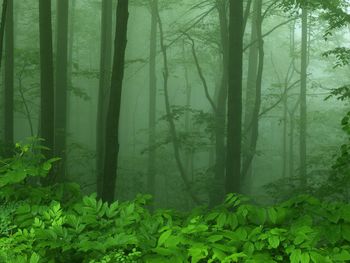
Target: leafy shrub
(38, 228)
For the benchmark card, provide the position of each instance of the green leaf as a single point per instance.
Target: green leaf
(274, 241)
(305, 258)
(272, 213)
(164, 236)
(295, 256)
(34, 258)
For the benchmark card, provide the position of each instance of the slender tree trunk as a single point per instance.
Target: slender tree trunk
(285, 132)
(152, 100)
(46, 77)
(250, 94)
(2, 27)
(303, 110)
(217, 193)
(105, 74)
(61, 85)
(113, 113)
(171, 122)
(257, 101)
(9, 79)
(234, 110)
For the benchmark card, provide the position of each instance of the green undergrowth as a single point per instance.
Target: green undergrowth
(58, 224)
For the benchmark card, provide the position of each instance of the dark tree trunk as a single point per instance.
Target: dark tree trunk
(9, 79)
(113, 111)
(253, 140)
(105, 74)
(217, 193)
(61, 86)
(46, 76)
(152, 100)
(250, 94)
(234, 110)
(303, 113)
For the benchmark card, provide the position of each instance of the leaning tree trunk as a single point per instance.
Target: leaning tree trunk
(113, 113)
(172, 128)
(61, 85)
(46, 77)
(234, 109)
(105, 74)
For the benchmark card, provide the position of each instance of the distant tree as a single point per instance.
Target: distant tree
(61, 84)
(113, 112)
(104, 82)
(46, 77)
(303, 84)
(9, 78)
(152, 99)
(234, 109)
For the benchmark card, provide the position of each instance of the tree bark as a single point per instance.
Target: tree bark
(234, 109)
(113, 113)
(105, 74)
(46, 77)
(61, 85)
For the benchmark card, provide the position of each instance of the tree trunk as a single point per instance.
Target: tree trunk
(250, 94)
(234, 109)
(46, 77)
(303, 112)
(152, 101)
(105, 74)
(217, 192)
(172, 128)
(61, 86)
(9, 80)
(113, 112)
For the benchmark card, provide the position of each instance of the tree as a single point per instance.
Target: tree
(112, 122)
(303, 83)
(152, 99)
(104, 82)
(9, 77)
(46, 76)
(234, 109)
(61, 86)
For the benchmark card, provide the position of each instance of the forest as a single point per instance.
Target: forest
(174, 131)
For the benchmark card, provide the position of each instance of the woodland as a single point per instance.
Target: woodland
(174, 131)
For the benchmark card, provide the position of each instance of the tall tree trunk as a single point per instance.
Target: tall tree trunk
(250, 94)
(9, 79)
(2, 27)
(217, 192)
(257, 101)
(152, 100)
(234, 109)
(105, 74)
(46, 77)
(113, 113)
(172, 128)
(303, 112)
(61, 85)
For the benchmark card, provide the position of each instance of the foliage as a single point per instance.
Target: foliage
(302, 229)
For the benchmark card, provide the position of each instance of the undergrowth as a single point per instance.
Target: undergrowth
(58, 224)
